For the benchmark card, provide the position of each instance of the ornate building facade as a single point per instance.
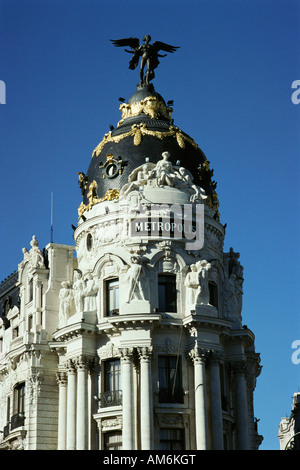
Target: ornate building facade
(137, 342)
(289, 427)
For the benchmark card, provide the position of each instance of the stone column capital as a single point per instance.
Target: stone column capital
(144, 353)
(126, 354)
(61, 378)
(239, 367)
(215, 357)
(70, 366)
(81, 362)
(198, 355)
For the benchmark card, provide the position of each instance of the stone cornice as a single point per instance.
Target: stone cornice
(201, 321)
(75, 330)
(133, 321)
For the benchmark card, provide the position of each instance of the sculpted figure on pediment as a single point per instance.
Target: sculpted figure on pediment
(138, 177)
(197, 284)
(232, 295)
(37, 259)
(134, 273)
(34, 256)
(90, 294)
(161, 174)
(234, 264)
(78, 288)
(66, 304)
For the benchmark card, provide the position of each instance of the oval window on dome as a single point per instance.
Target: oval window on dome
(89, 241)
(112, 170)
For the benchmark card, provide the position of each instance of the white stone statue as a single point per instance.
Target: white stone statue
(232, 297)
(203, 267)
(193, 287)
(90, 294)
(78, 287)
(161, 174)
(66, 304)
(197, 284)
(229, 297)
(135, 290)
(165, 175)
(138, 177)
(36, 257)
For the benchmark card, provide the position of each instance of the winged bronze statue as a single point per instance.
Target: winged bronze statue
(148, 53)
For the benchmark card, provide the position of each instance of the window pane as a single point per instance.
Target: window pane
(213, 294)
(170, 381)
(112, 296)
(171, 439)
(112, 372)
(113, 440)
(167, 295)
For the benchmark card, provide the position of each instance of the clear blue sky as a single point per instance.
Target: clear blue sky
(231, 85)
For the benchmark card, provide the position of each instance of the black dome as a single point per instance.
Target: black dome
(145, 131)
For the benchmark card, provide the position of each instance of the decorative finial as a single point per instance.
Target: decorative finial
(148, 54)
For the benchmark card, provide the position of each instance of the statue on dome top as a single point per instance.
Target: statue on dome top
(148, 53)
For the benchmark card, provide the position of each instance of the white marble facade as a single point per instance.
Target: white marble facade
(130, 342)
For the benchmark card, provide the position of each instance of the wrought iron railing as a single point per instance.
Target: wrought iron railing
(171, 395)
(17, 420)
(111, 398)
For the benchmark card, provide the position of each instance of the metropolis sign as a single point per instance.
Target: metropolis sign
(170, 222)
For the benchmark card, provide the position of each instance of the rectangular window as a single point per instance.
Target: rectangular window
(170, 379)
(111, 395)
(18, 417)
(112, 297)
(171, 439)
(213, 294)
(167, 294)
(112, 375)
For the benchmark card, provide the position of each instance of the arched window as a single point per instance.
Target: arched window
(167, 293)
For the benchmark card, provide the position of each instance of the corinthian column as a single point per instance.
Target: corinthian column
(71, 406)
(146, 399)
(216, 404)
(127, 391)
(61, 378)
(198, 357)
(81, 427)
